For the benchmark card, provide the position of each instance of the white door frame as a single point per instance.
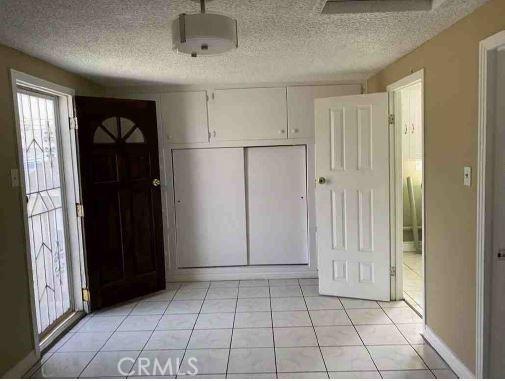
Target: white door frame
(396, 189)
(72, 191)
(485, 164)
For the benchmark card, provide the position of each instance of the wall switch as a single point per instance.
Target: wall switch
(15, 178)
(467, 176)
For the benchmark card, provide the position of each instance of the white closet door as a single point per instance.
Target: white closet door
(277, 207)
(210, 207)
(416, 131)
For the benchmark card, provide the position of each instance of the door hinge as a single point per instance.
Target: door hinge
(392, 271)
(85, 295)
(73, 123)
(79, 209)
(391, 118)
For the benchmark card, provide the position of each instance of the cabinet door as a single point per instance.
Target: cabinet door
(416, 123)
(277, 207)
(301, 106)
(184, 116)
(210, 207)
(405, 123)
(243, 114)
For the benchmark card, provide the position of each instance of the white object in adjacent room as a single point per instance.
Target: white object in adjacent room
(301, 106)
(184, 116)
(352, 196)
(243, 114)
(277, 205)
(210, 207)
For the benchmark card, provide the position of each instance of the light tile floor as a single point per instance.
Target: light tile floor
(413, 280)
(246, 329)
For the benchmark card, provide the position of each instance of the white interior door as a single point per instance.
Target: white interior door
(277, 205)
(352, 205)
(210, 207)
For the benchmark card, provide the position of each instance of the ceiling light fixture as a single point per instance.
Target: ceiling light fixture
(204, 33)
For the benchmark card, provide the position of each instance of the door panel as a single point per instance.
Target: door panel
(118, 154)
(301, 106)
(352, 204)
(242, 114)
(210, 207)
(277, 205)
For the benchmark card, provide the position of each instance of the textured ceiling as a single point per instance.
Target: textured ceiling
(128, 42)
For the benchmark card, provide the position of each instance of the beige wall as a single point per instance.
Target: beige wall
(451, 68)
(15, 319)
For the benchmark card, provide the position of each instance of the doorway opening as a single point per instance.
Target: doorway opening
(50, 192)
(406, 104)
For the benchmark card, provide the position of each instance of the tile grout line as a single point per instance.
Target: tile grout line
(231, 337)
(273, 332)
(314, 330)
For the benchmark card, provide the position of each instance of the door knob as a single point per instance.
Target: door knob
(156, 182)
(321, 180)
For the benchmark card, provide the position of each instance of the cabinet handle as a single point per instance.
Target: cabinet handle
(413, 128)
(294, 130)
(282, 131)
(406, 129)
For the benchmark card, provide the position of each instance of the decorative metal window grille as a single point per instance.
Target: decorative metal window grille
(44, 196)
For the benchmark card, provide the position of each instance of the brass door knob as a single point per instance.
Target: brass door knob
(321, 180)
(156, 182)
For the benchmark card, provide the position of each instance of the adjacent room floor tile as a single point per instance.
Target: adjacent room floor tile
(347, 359)
(85, 342)
(253, 305)
(177, 321)
(444, 374)
(219, 305)
(251, 360)
(304, 359)
(329, 317)
(337, 336)
(130, 341)
(288, 304)
(323, 303)
(215, 321)
(122, 309)
(252, 338)
(368, 316)
(308, 281)
(364, 375)
(207, 361)
(190, 294)
(176, 339)
(224, 283)
(253, 283)
(210, 338)
(386, 334)
(108, 364)
(140, 323)
(309, 290)
(406, 374)
(253, 319)
(64, 365)
(295, 337)
(396, 357)
(412, 332)
(283, 282)
(195, 284)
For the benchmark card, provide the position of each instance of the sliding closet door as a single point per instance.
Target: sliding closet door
(210, 207)
(277, 207)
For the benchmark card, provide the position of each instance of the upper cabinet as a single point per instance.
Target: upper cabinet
(184, 116)
(248, 114)
(411, 122)
(301, 106)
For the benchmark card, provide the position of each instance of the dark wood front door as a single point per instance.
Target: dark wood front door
(118, 158)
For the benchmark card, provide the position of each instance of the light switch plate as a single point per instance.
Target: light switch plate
(467, 176)
(15, 178)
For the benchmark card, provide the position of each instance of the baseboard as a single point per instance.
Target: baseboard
(447, 354)
(228, 274)
(23, 366)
